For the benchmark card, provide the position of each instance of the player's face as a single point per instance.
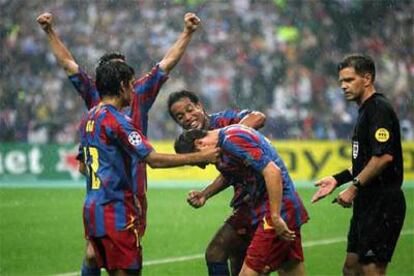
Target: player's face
(352, 84)
(207, 142)
(188, 114)
(127, 92)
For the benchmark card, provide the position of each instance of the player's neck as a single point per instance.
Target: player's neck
(115, 101)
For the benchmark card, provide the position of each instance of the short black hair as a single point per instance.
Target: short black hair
(110, 75)
(185, 142)
(178, 95)
(111, 56)
(362, 64)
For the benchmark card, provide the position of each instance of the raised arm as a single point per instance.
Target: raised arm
(176, 51)
(62, 54)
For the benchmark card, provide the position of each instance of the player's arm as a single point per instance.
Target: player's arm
(197, 199)
(254, 119)
(174, 54)
(62, 54)
(274, 186)
(165, 160)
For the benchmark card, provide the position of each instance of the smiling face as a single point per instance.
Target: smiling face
(353, 84)
(188, 115)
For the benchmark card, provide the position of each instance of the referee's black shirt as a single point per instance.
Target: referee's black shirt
(377, 132)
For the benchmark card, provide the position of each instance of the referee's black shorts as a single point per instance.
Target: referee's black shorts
(376, 225)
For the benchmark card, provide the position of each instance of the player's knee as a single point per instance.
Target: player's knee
(216, 253)
(350, 269)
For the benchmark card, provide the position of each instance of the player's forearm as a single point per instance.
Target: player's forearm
(62, 54)
(175, 53)
(374, 168)
(219, 184)
(164, 160)
(254, 120)
(274, 187)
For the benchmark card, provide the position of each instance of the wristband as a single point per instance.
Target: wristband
(343, 177)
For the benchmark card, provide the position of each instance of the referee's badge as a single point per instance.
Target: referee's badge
(134, 138)
(382, 135)
(355, 148)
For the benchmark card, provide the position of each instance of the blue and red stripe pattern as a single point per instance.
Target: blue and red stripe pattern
(226, 118)
(146, 90)
(246, 152)
(113, 149)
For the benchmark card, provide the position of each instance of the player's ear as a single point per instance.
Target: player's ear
(198, 143)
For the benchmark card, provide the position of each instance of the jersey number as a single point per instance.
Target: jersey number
(93, 168)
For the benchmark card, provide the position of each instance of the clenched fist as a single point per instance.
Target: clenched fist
(45, 21)
(191, 22)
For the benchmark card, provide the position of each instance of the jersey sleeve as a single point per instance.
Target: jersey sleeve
(246, 145)
(86, 88)
(381, 128)
(130, 138)
(147, 88)
(227, 117)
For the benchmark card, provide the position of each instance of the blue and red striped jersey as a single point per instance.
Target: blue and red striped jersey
(246, 152)
(113, 148)
(146, 90)
(226, 118)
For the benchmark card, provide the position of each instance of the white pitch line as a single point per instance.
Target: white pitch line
(200, 256)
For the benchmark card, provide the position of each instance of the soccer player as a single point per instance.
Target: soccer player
(113, 147)
(232, 239)
(376, 173)
(249, 158)
(145, 92)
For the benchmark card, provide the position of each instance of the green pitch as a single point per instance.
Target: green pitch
(41, 233)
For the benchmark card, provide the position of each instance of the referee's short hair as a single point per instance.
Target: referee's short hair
(361, 63)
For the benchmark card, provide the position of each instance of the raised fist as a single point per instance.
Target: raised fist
(191, 22)
(45, 21)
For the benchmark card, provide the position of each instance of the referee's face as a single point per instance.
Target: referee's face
(352, 84)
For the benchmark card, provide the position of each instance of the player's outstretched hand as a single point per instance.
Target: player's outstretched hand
(196, 199)
(326, 186)
(45, 21)
(283, 231)
(191, 22)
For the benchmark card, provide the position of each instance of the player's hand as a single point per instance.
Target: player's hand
(282, 230)
(346, 197)
(191, 22)
(326, 186)
(196, 199)
(211, 155)
(45, 21)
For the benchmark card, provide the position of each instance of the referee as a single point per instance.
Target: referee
(376, 173)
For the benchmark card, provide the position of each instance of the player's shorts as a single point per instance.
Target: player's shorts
(240, 220)
(118, 250)
(376, 225)
(268, 253)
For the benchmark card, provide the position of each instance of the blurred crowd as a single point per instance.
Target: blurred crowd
(276, 56)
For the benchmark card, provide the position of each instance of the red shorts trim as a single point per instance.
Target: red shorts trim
(118, 250)
(268, 253)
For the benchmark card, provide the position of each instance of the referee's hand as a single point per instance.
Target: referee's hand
(326, 186)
